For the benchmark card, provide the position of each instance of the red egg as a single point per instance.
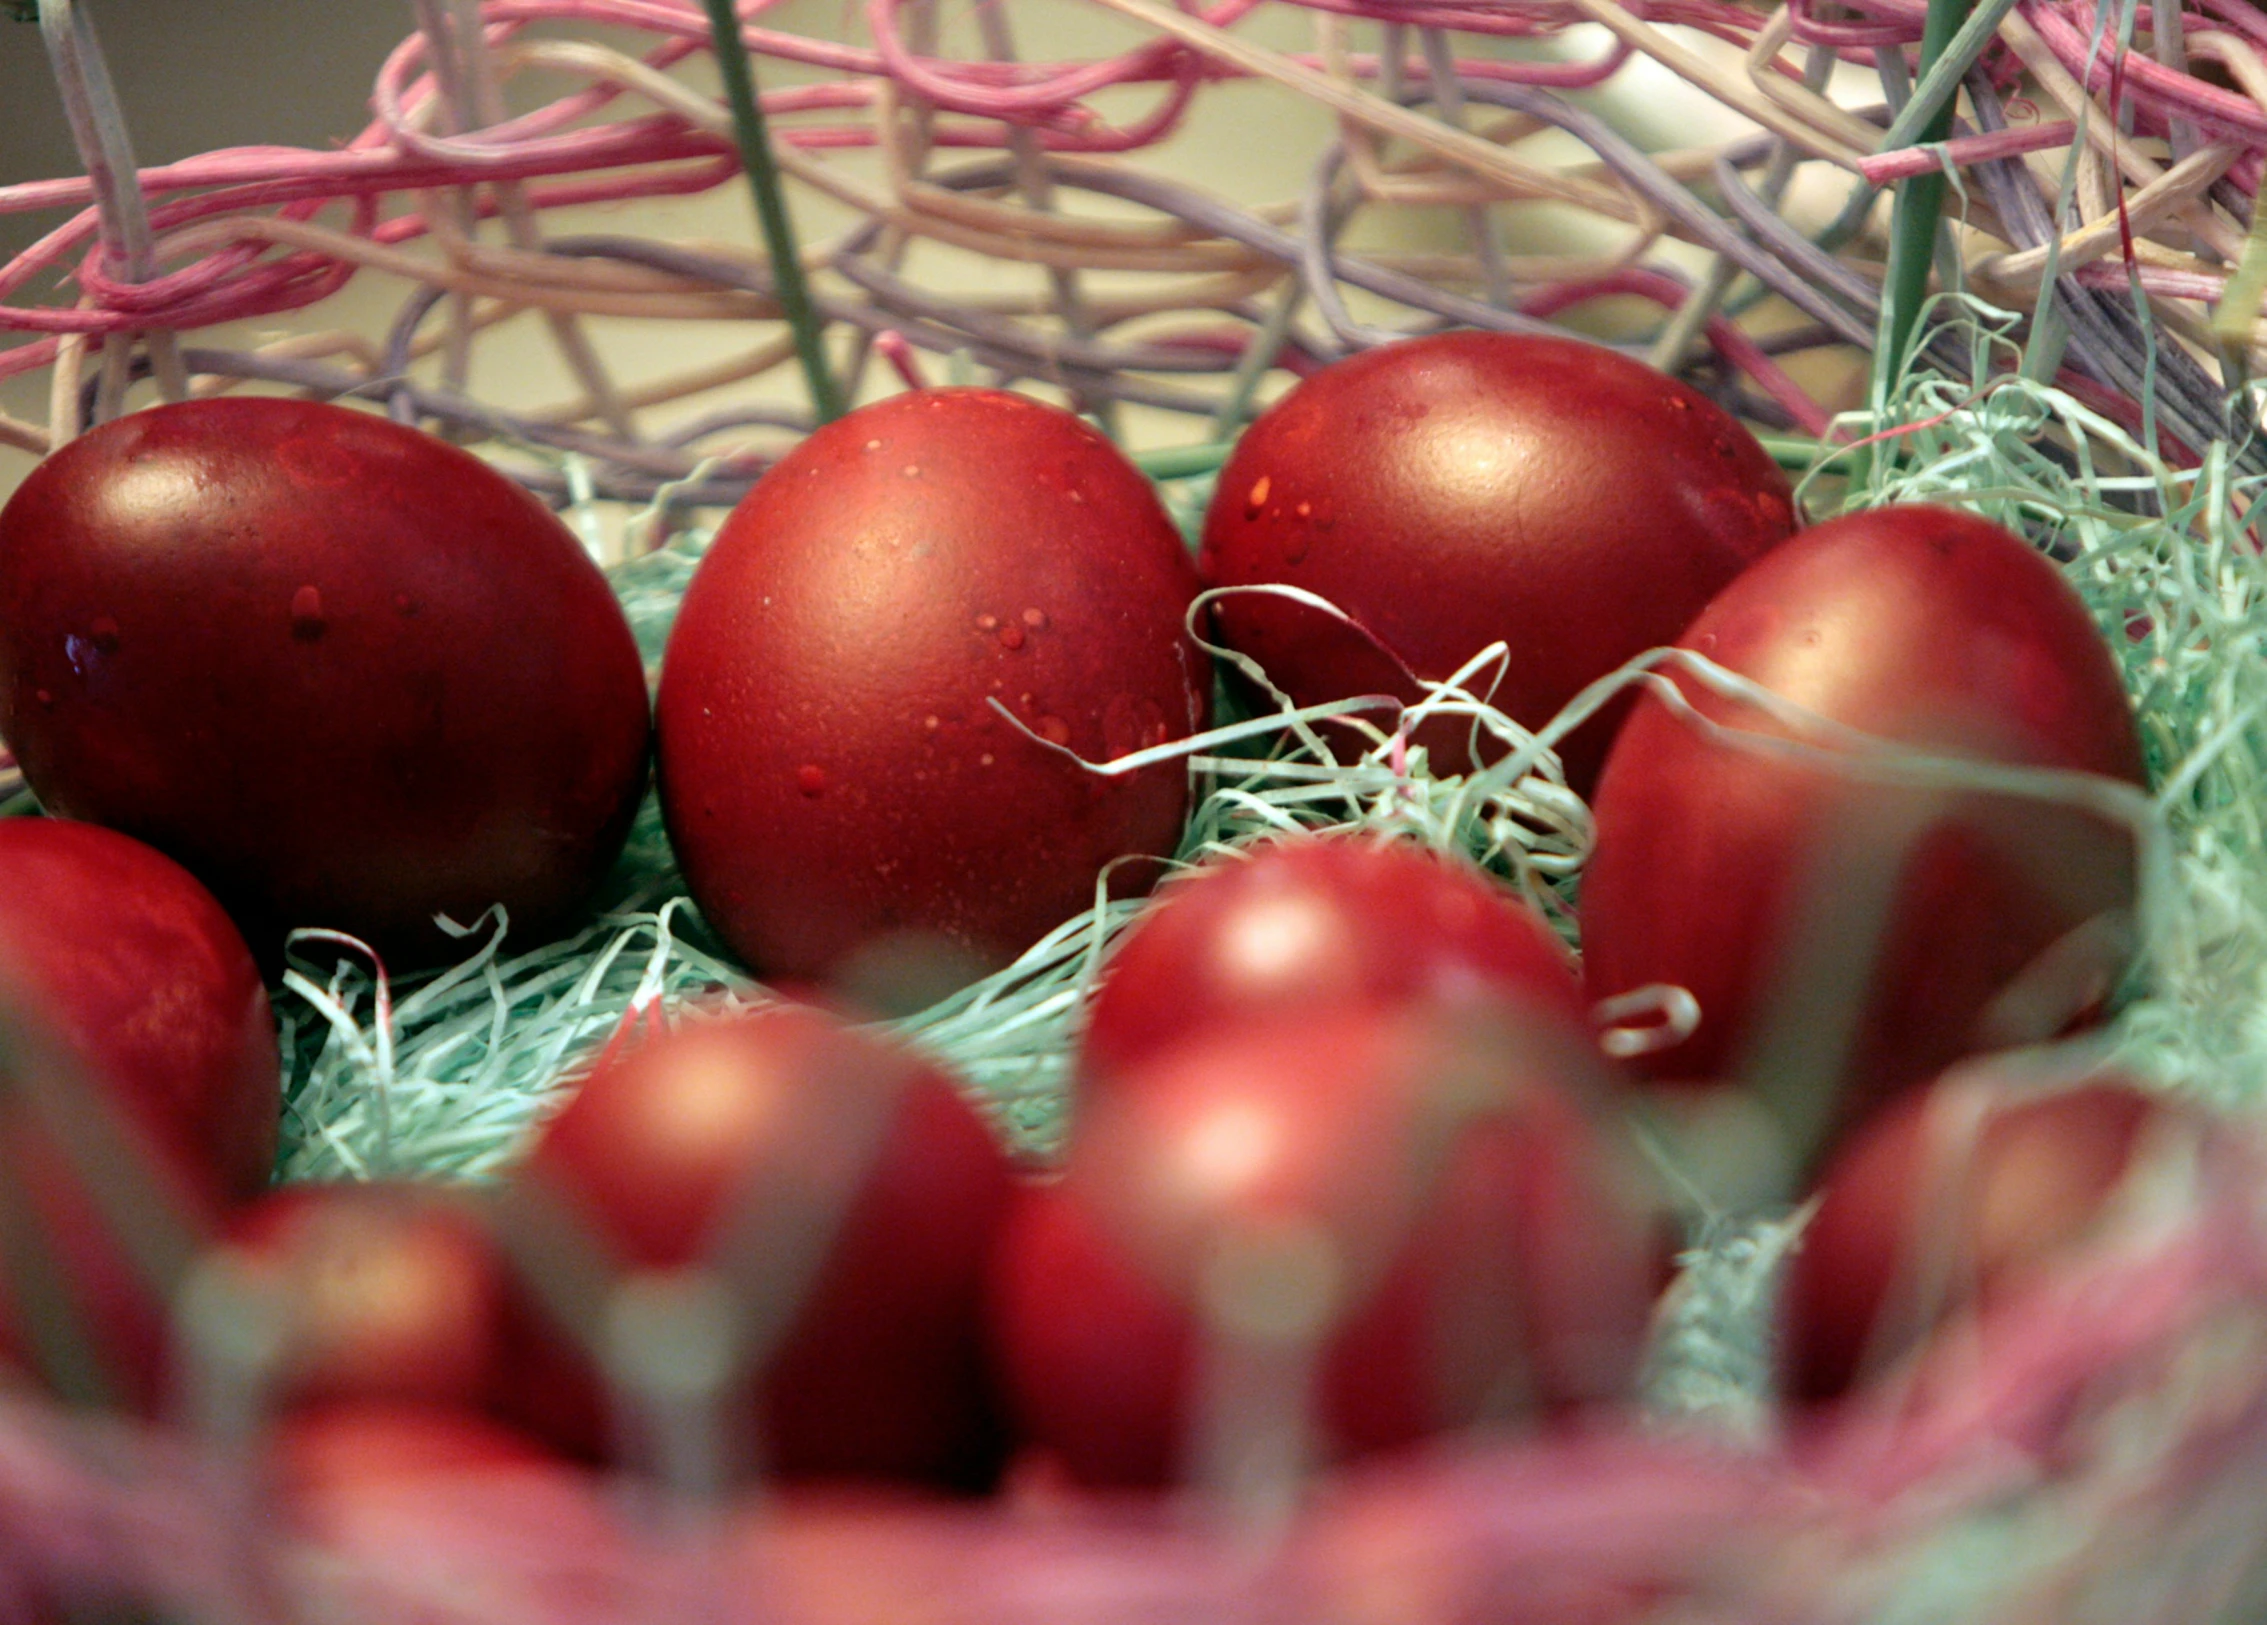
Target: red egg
(420, 1508)
(1318, 923)
(1482, 1258)
(1949, 1199)
(1448, 492)
(1734, 874)
(393, 1294)
(338, 1447)
(145, 990)
(666, 1144)
(150, 986)
(347, 674)
(832, 769)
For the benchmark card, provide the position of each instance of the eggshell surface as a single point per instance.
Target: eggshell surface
(870, 1160)
(1947, 1199)
(1319, 923)
(1480, 1261)
(348, 675)
(1450, 491)
(151, 988)
(395, 1295)
(1736, 874)
(123, 981)
(832, 767)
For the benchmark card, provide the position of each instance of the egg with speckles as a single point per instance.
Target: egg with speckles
(1452, 491)
(835, 768)
(346, 674)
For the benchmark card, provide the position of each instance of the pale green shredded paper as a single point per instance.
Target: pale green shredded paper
(2159, 556)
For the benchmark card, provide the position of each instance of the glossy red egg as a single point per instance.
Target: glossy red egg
(673, 1146)
(1948, 1200)
(834, 776)
(146, 994)
(150, 985)
(393, 1294)
(1318, 923)
(1733, 874)
(1484, 1261)
(1451, 491)
(347, 674)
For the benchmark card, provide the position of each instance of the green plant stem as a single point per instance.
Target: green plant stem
(1792, 452)
(1181, 462)
(771, 209)
(1930, 105)
(1914, 221)
(1258, 356)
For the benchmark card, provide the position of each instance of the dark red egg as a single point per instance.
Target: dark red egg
(393, 1294)
(1448, 492)
(1947, 1200)
(1750, 880)
(347, 674)
(1318, 923)
(144, 993)
(786, 1119)
(1482, 1256)
(1097, 1359)
(834, 775)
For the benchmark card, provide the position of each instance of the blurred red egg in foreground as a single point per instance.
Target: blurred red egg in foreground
(1950, 1198)
(1317, 923)
(146, 979)
(392, 1293)
(1475, 1254)
(152, 1019)
(334, 1449)
(765, 1145)
(425, 1512)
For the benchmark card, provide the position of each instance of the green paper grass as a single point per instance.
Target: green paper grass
(2158, 553)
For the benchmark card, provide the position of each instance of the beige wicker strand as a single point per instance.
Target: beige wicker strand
(1844, 143)
(1806, 104)
(2141, 212)
(754, 363)
(907, 126)
(63, 423)
(22, 436)
(484, 106)
(1467, 151)
(2100, 127)
(458, 203)
(580, 296)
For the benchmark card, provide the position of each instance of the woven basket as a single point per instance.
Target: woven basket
(2097, 1450)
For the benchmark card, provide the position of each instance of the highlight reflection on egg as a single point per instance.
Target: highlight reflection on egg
(1451, 491)
(836, 772)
